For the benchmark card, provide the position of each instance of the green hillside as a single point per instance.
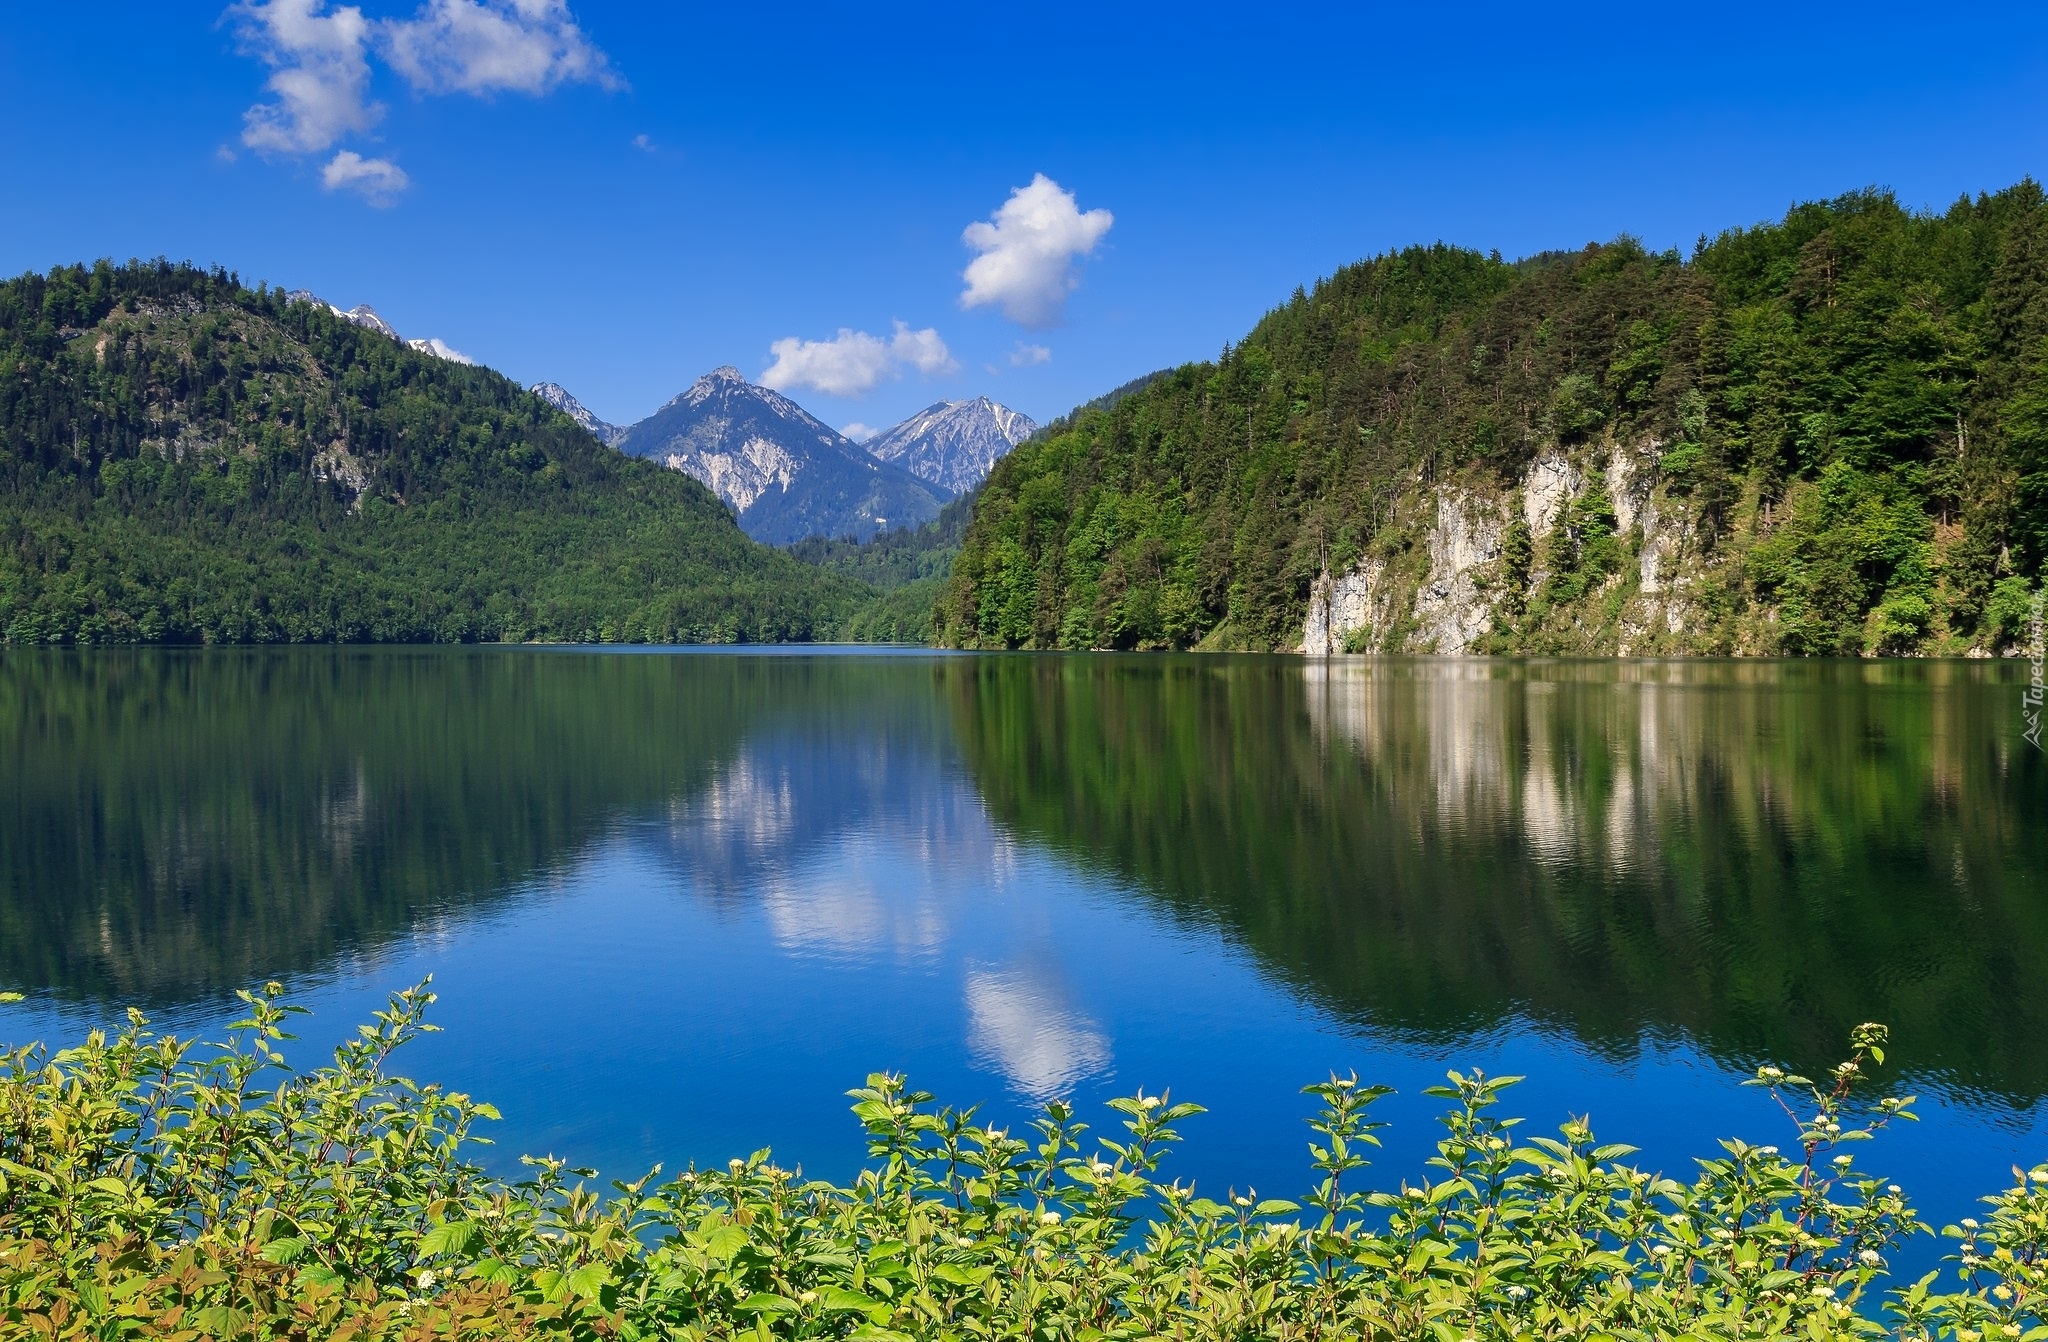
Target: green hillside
(186, 459)
(1827, 435)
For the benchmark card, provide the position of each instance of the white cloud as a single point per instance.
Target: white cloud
(858, 431)
(1019, 1021)
(319, 74)
(1029, 356)
(922, 350)
(854, 363)
(643, 142)
(440, 349)
(320, 70)
(377, 180)
(484, 46)
(1027, 253)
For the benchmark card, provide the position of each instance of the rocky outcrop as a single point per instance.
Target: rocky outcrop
(1339, 608)
(1453, 609)
(1468, 590)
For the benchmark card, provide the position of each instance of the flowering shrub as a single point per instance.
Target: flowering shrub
(151, 1188)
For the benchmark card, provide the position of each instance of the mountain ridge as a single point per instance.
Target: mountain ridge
(953, 444)
(785, 473)
(195, 461)
(1825, 435)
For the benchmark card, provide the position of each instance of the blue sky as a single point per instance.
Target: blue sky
(619, 197)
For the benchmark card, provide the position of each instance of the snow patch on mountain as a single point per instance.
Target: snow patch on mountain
(954, 444)
(365, 316)
(785, 474)
(558, 396)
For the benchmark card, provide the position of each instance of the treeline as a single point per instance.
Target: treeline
(186, 459)
(1847, 410)
(908, 566)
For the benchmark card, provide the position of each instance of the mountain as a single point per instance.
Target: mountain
(559, 397)
(785, 474)
(954, 443)
(186, 459)
(365, 316)
(1822, 436)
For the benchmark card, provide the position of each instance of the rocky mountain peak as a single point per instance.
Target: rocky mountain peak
(954, 444)
(558, 396)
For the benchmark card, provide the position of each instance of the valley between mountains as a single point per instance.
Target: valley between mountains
(1824, 435)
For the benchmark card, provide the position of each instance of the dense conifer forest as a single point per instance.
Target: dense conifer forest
(1831, 431)
(187, 459)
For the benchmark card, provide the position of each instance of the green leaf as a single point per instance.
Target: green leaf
(448, 1237)
(762, 1303)
(837, 1299)
(221, 1321)
(588, 1280)
(721, 1244)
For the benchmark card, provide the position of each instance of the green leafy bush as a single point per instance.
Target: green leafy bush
(156, 1189)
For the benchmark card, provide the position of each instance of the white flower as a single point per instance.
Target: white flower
(1869, 1258)
(1824, 1292)
(1049, 1218)
(1768, 1150)
(1893, 1189)
(1969, 1223)
(1659, 1250)
(1149, 1101)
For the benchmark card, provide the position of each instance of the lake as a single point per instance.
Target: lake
(676, 902)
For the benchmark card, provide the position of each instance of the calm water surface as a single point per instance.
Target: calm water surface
(677, 903)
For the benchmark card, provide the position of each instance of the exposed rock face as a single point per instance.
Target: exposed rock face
(365, 316)
(953, 444)
(558, 396)
(785, 474)
(1341, 607)
(1452, 611)
(1465, 591)
(1552, 482)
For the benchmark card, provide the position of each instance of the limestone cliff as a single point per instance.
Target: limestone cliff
(1484, 566)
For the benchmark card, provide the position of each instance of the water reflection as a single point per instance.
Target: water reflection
(864, 842)
(1754, 857)
(1757, 855)
(1020, 1022)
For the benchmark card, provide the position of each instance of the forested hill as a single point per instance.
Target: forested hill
(1827, 435)
(183, 458)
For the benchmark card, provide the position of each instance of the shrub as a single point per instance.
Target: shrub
(150, 1188)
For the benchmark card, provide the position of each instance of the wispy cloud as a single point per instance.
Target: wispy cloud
(1029, 356)
(644, 142)
(440, 349)
(319, 60)
(488, 46)
(854, 363)
(858, 431)
(1027, 253)
(319, 74)
(377, 180)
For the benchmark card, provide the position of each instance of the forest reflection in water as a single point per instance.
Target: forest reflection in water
(1760, 855)
(1752, 857)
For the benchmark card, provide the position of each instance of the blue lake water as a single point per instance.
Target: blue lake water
(677, 902)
